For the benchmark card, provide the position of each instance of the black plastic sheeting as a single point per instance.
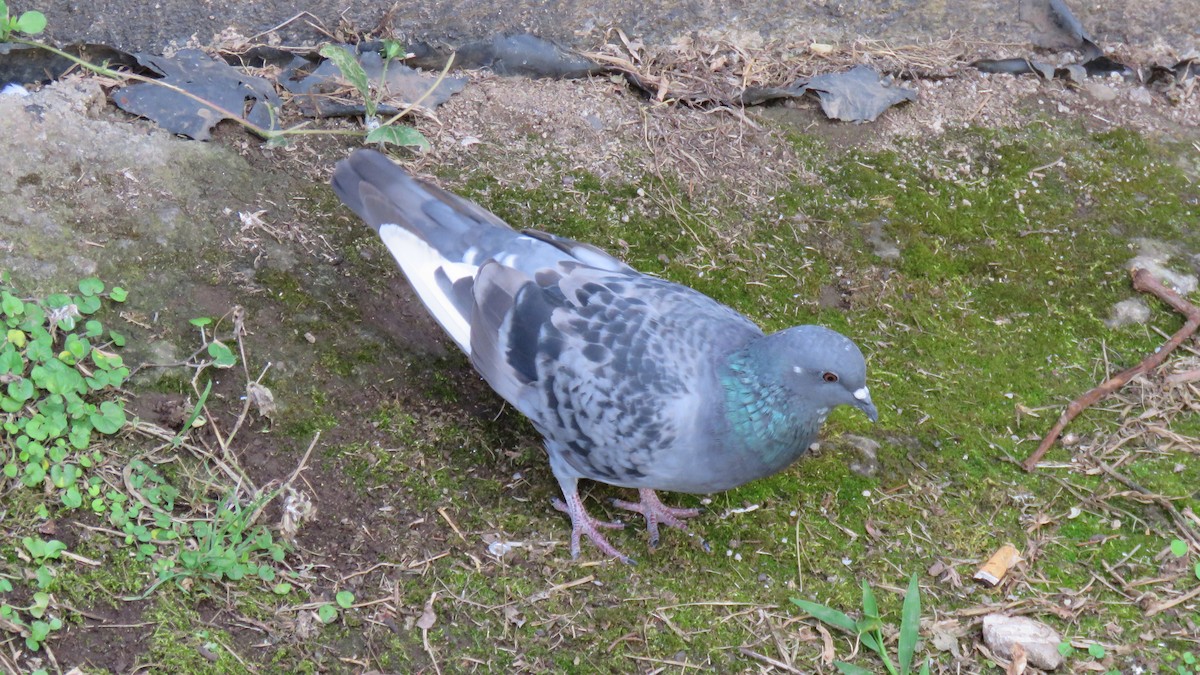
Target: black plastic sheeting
(313, 83)
(22, 64)
(860, 94)
(191, 70)
(1056, 28)
(521, 54)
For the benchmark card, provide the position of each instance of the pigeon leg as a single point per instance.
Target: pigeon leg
(582, 523)
(656, 512)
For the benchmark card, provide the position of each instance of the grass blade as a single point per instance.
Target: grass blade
(870, 606)
(851, 669)
(197, 410)
(910, 623)
(827, 615)
(871, 643)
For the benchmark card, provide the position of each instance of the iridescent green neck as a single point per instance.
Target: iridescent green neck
(759, 413)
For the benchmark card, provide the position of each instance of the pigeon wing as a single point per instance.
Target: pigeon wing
(614, 368)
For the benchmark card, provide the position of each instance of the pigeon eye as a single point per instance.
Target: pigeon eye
(829, 377)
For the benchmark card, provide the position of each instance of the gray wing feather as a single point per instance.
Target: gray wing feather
(607, 365)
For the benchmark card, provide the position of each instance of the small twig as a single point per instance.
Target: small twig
(296, 17)
(768, 660)
(1044, 167)
(1184, 377)
(542, 595)
(1165, 504)
(425, 633)
(287, 483)
(80, 559)
(1163, 606)
(670, 662)
(454, 526)
(1144, 282)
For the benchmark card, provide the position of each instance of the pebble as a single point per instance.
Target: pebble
(1100, 92)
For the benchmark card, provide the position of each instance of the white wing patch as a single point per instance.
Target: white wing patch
(420, 263)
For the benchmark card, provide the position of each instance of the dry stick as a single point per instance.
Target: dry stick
(1163, 606)
(746, 651)
(1144, 282)
(283, 488)
(1162, 502)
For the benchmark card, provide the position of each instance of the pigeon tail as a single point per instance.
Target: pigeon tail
(440, 240)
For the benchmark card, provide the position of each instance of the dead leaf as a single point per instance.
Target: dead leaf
(428, 617)
(262, 399)
(945, 636)
(827, 653)
(1017, 665)
(513, 616)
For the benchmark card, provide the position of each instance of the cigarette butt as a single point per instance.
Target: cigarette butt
(998, 565)
(820, 49)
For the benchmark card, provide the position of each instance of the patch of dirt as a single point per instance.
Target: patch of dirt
(112, 638)
(539, 131)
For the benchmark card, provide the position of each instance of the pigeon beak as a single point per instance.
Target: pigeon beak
(863, 398)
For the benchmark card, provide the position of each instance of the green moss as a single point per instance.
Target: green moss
(181, 638)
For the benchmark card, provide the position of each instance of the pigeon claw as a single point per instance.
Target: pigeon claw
(655, 513)
(584, 524)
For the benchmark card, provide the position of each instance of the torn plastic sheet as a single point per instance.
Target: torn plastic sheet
(313, 88)
(519, 54)
(1176, 74)
(1101, 66)
(860, 94)
(199, 74)
(23, 64)
(1055, 27)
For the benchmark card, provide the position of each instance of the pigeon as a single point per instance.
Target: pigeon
(632, 380)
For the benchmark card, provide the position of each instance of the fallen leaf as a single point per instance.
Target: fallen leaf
(945, 636)
(513, 616)
(1017, 665)
(827, 653)
(428, 618)
(262, 399)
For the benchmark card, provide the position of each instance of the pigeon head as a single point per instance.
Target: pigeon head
(821, 369)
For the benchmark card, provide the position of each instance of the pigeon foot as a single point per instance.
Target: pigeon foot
(583, 523)
(656, 512)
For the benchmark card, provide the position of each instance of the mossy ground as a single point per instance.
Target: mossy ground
(1011, 251)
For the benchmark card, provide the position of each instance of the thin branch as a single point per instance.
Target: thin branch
(1144, 282)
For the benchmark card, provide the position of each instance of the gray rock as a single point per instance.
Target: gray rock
(1040, 641)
